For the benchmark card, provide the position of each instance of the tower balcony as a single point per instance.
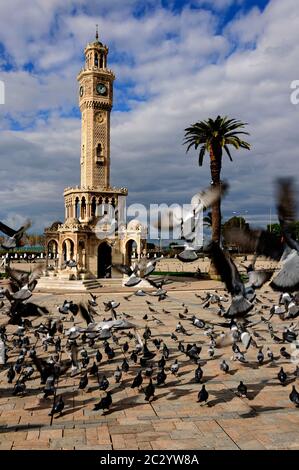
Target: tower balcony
(97, 191)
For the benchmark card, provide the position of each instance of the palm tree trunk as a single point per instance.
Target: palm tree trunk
(215, 165)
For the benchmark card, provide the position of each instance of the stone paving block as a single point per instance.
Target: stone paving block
(33, 435)
(250, 444)
(144, 446)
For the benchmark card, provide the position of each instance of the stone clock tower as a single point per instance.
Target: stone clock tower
(85, 236)
(96, 100)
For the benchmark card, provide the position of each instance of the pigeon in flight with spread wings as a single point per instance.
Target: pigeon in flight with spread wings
(187, 221)
(142, 269)
(14, 236)
(230, 275)
(287, 279)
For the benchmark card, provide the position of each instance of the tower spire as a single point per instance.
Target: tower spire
(97, 31)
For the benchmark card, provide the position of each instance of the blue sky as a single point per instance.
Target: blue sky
(176, 62)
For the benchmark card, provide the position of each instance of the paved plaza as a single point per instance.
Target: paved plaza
(174, 419)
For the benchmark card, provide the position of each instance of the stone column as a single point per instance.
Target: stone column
(47, 254)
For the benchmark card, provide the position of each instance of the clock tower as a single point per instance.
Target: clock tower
(94, 234)
(95, 100)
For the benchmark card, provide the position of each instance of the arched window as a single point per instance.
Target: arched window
(99, 153)
(93, 207)
(96, 60)
(83, 208)
(101, 61)
(77, 208)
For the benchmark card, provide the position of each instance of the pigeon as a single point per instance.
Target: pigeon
(104, 383)
(28, 372)
(94, 369)
(125, 366)
(83, 382)
(270, 354)
(49, 388)
(93, 300)
(294, 396)
(229, 274)
(104, 403)
(149, 391)
(111, 305)
(242, 390)
(147, 354)
(198, 322)
(189, 254)
(14, 236)
(193, 352)
(117, 375)
(285, 353)
(282, 376)
(161, 362)
(181, 329)
(289, 336)
(134, 357)
(174, 367)
(260, 357)
(161, 377)
(64, 309)
(203, 395)
(10, 374)
(19, 388)
(138, 379)
(246, 339)
(99, 356)
(224, 366)
(58, 407)
(198, 374)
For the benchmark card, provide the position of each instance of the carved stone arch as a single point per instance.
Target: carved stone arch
(131, 247)
(52, 248)
(104, 259)
(68, 249)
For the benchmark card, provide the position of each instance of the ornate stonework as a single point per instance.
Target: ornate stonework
(84, 236)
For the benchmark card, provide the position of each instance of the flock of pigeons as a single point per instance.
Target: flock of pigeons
(40, 340)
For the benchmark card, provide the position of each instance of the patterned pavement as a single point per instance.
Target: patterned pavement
(174, 419)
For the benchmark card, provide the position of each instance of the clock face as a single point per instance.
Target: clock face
(81, 90)
(101, 89)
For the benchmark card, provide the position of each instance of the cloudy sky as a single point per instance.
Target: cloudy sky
(176, 62)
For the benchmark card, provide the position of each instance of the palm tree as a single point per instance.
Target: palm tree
(213, 136)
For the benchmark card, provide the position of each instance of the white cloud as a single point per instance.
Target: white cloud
(182, 66)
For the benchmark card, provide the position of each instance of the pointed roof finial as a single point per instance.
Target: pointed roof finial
(97, 31)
